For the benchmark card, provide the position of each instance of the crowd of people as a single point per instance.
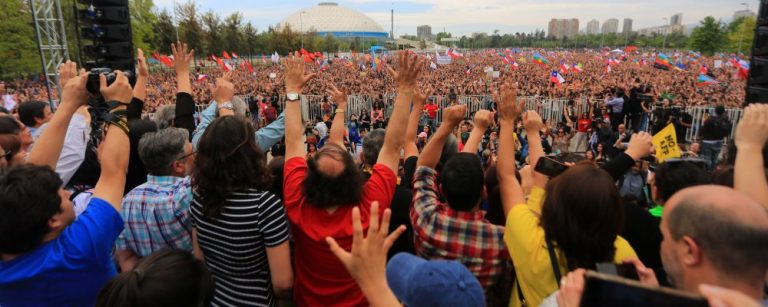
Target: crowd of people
(464, 76)
(498, 208)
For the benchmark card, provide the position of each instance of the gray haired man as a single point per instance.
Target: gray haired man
(156, 213)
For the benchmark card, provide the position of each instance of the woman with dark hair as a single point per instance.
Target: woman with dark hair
(599, 154)
(239, 228)
(570, 222)
(365, 120)
(165, 278)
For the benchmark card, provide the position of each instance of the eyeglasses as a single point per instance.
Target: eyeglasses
(186, 156)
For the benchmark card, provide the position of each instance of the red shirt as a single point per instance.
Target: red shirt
(321, 279)
(584, 124)
(431, 110)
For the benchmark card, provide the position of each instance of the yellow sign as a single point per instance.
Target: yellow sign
(666, 144)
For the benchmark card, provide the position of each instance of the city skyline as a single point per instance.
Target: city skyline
(463, 18)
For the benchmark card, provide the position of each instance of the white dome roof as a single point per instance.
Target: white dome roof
(329, 17)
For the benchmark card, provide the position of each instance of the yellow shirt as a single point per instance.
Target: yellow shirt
(527, 247)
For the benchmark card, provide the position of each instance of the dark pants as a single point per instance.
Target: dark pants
(616, 120)
(634, 121)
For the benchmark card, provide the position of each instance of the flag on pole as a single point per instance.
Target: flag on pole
(250, 67)
(743, 67)
(662, 61)
(564, 67)
(540, 60)
(705, 80)
(226, 56)
(578, 68)
(514, 65)
(703, 70)
(234, 56)
(453, 53)
(201, 78)
(556, 78)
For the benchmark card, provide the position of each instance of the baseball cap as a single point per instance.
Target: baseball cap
(418, 282)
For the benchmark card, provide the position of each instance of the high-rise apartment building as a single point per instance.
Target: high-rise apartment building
(627, 26)
(593, 26)
(611, 26)
(563, 28)
(424, 32)
(676, 20)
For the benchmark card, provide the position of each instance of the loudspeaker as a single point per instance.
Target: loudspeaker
(757, 80)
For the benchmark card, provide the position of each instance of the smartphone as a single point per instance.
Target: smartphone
(625, 270)
(550, 167)
(606, 290)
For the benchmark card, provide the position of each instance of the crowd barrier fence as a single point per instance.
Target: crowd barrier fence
(550, 109)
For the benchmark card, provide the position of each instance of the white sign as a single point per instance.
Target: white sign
(718, 63)
(272, 75)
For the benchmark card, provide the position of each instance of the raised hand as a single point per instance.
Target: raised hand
(67, 70)
(752, 131)
(182, 55)
(368, 258)
(408, 70)
(295, 74)
(74, 92)
(225, 89)
(532, 121)
(483, 119)
(640, 145)
(143, 70)
(120, 90)
(338, 96)
(420, 98)
(509, 108)
(452, 116)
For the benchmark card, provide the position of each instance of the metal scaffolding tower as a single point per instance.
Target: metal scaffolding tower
(51, 40)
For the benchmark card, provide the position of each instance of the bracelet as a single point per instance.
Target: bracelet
(339, 111)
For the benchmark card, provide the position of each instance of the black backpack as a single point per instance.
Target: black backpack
(723, 126)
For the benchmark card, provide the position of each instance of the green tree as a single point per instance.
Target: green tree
(143, 23)
(709, 37)
(214, 40)
(741, 33)
(190, 29)
(18, 49)
(231, 32)
(250, 39)
(331, 44)
(442, 35)
(165, 33)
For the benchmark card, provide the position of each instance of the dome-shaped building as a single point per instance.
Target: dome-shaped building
(330, 18)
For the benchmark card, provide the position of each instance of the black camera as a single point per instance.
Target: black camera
(93, 79)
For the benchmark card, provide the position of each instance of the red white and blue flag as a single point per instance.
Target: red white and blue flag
(556, 78)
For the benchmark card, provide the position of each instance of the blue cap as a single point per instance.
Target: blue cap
(417, 282)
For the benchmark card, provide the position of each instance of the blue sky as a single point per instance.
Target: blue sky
(467, 16)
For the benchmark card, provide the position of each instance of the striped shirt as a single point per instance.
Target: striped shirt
(156, 216)
(234, 244)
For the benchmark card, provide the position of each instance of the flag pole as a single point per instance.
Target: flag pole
(176, 16)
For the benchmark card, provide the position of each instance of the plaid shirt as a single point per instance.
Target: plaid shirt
(443, 233)
(156, 216)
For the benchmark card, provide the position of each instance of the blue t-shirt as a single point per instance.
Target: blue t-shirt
(69, 270)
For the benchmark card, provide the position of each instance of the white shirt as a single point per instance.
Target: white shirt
(75, 143)
(322, 128)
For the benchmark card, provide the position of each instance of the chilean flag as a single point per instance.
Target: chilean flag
(564, 67)
(556, 78)
(514, 65)
(201, 78)
(743, 69)
(578, 68)
(234, 56)
(453, 53)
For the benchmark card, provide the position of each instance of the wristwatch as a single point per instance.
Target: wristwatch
(226, 105)
(292, 96)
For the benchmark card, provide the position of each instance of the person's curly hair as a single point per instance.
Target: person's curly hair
(228, 160)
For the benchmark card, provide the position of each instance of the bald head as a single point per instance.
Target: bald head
(730, 229)
(726, 202)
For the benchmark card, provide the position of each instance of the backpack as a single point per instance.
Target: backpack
(723, 126)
